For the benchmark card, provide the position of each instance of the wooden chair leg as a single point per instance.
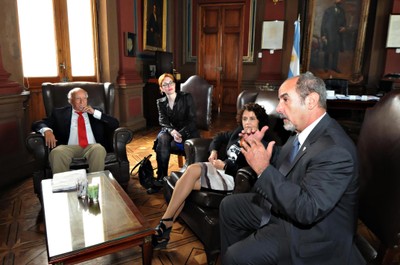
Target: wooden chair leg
(180, 160)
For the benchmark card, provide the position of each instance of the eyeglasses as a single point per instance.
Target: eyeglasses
(165, 85)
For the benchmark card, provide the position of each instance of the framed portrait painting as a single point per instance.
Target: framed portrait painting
(130, 39)
(155, 25)
(334, 38)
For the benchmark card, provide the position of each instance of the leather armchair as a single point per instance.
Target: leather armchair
(100, 95)
(379, 155)
(201, 211)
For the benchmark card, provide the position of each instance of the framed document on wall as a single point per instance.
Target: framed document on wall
(393, 37)
(272, 35)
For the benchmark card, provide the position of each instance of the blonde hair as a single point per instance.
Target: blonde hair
(163, 76)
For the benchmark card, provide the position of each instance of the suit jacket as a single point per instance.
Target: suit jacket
(316, 196)
(60, 122)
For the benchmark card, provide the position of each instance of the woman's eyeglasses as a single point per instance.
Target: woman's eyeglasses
(165, 85)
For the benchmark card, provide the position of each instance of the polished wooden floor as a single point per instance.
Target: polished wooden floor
(22, 234)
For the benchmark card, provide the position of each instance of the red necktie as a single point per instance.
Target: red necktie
(83, 142)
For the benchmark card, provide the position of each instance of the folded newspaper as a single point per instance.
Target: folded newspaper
(66, 181)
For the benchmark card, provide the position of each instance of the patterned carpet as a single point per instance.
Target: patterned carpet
(22, 234)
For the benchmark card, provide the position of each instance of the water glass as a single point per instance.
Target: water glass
(93, 192)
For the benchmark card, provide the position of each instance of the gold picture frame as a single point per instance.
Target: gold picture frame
(318, 57)
(155, 26)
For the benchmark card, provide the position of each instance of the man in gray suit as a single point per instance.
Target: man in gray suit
(301, 211)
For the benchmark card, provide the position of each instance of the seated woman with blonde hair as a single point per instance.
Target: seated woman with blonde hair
(216, 174)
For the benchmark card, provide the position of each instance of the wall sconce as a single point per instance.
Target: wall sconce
(276, 1)
(272, 35)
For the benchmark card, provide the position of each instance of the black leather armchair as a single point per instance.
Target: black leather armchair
(100, 95)
(201, 211)
(379, 156)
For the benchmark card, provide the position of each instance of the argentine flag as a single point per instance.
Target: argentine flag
(294, 68)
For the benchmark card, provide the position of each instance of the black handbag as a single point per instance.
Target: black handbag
(145, 172)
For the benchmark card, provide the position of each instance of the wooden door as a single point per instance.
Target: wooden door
(220, 51)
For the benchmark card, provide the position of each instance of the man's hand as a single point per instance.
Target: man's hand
(256, 155)
(50, 139)
(88, 109)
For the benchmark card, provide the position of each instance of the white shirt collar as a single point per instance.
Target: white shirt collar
(304, 134)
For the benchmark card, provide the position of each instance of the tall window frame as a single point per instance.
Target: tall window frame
(62, 35)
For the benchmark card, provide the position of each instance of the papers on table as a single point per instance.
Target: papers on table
(355, 97)
(66, 181)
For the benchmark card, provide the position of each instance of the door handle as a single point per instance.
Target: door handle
(63, 66)
(219, 68)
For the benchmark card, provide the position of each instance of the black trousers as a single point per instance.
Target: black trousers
(163, 146)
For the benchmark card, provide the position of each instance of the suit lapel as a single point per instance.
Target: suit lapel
(285, 167)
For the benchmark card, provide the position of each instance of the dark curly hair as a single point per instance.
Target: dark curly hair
(260, 112)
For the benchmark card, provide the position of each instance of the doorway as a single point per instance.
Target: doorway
(220, 52)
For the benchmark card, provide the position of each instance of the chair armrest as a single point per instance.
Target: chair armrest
(35, 144)
(121, 137)
(365, 248)
(244, 180)
(196, 150)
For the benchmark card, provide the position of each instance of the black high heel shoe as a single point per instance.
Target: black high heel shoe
(161, 238)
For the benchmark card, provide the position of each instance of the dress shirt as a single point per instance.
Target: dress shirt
(73, 136)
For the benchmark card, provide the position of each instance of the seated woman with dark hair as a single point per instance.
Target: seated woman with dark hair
(177, 118)
(215, 174)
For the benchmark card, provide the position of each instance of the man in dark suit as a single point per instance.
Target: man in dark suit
(301, 211)
(62, 135)
(333, 26)
(153, 28)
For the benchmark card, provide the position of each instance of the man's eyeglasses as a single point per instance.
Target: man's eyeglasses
(165, 85)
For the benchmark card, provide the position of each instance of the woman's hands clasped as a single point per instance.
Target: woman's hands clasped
(213, 159)
(177, 136)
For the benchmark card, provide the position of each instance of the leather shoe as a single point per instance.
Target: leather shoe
(159, 183)
(153, 190)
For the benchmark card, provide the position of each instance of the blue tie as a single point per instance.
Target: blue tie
(295, 149)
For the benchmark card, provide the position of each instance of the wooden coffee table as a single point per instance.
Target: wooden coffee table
(77, 230)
